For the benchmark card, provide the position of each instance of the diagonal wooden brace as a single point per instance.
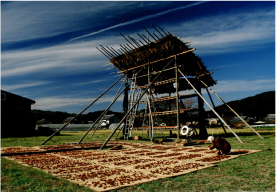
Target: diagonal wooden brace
(233, 110)
(210, 106)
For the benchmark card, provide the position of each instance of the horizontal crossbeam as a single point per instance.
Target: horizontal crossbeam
(170, 98)
(155, 127)
(165, 113)
(157, 83)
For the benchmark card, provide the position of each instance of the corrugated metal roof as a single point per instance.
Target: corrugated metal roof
(270, 116)
(238, 120)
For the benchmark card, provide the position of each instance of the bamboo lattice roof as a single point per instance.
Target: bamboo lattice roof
(157, 54)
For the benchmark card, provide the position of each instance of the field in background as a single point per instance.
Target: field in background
(254, 172)
(102, 135)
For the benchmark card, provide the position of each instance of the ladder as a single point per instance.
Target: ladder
(130, 118)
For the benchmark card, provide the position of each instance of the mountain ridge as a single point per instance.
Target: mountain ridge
(254, 106)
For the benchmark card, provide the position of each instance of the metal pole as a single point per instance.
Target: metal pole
(133, 106)
(103, 114)
(210, 106)
(233, 111)
(82, 111)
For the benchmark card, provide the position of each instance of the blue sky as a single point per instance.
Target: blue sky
(48, 49)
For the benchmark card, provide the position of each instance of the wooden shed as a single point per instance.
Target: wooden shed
(16, 118)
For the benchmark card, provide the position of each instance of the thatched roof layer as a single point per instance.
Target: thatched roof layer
(157, 54)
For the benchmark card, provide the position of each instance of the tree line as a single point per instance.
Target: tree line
(255, 106)
(57, 117)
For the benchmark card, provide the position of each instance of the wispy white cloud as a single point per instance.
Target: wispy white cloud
(56, 102)
(85, 83)
(140, 19)
(232, 31)
(25, 85)
(31, 20)
(60, 59)
(225, 32)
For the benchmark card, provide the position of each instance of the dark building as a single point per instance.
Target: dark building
(16, 118)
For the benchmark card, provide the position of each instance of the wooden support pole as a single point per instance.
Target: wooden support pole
(210, 107)
(214, 108)
(149, 106)
(177, 100)
(103, 113)
(233, 110)
(170, 117)
(82, 111)
(189, 113)
(201, 120)
(119, 124)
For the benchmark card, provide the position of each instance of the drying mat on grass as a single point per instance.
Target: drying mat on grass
(19, 150)
(134, 164)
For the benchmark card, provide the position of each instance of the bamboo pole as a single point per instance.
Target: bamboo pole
(133, 107)
(196, 44)
(157, 72)
(233, 110)
(149, 106)
(214, 108)
(82, 111)
(177, 99)
(170, 98)
(173, 112)
(103, 113)
(210, 107)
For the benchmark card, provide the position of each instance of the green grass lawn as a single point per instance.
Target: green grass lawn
(254, 172)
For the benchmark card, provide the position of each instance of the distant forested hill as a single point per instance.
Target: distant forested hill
(255, 106)
(58, 117)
